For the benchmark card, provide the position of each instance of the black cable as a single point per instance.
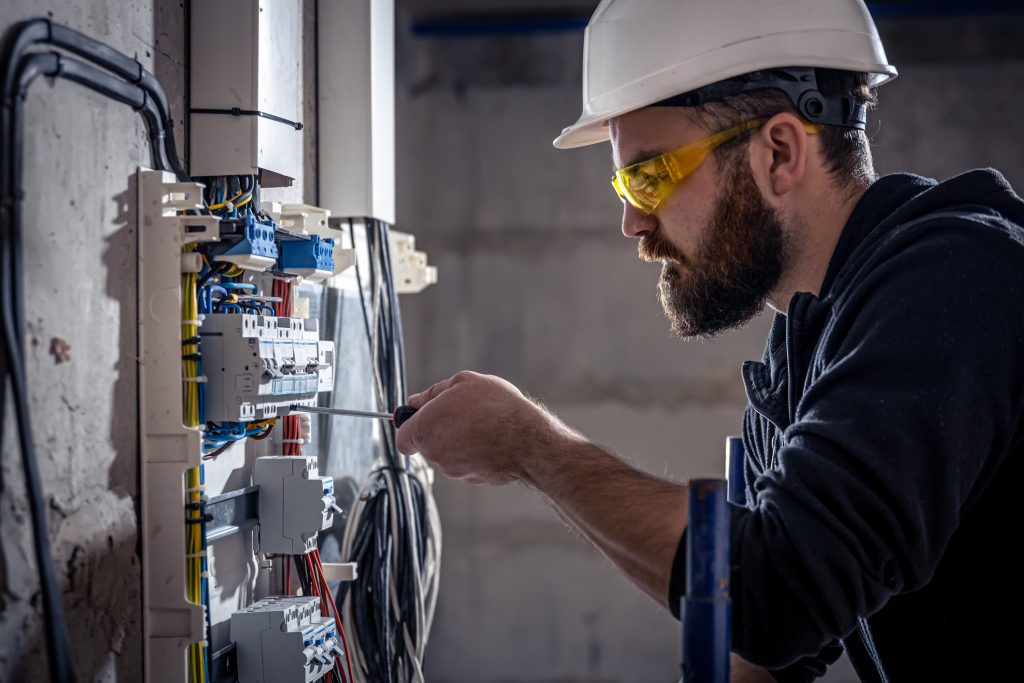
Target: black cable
(41, 30)
(55, 65)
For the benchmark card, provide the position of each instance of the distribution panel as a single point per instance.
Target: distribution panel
(230, 336)
(295, 503)
(284, 640)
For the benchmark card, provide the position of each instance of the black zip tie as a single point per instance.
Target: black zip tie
(236, 111)
(201, 520)
(193, 356)
(191, 341)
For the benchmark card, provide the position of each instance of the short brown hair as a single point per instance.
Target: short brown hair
(846, 150)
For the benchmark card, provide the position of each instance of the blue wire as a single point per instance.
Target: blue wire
(206, 300)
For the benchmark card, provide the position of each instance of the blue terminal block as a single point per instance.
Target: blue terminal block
(249, 243)
(307, 257)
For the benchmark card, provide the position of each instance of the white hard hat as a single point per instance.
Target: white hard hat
(639, 52)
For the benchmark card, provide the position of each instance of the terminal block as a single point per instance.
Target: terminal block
(246, 242)
(295, 503)
(412, 274)
(258, 365)
(311, 257)
(284, 640)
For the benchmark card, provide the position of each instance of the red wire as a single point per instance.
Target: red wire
(334, 607)
(314, 585)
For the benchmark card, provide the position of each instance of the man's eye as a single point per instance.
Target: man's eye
(644, 180)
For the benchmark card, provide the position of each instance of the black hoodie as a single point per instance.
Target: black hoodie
(884, 438)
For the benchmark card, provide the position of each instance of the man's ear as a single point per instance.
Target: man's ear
(779, 152)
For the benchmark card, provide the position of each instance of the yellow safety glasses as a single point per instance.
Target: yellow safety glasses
(646, 184)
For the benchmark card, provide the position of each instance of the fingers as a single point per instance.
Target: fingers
(410, 436)
(418, 400)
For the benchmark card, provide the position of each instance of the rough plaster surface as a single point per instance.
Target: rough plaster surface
(537, 284)
(79, 252)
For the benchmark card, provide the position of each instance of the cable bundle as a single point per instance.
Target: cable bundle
(393, 531)
(194, 390)
(197, 581)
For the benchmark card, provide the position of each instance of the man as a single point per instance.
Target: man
(883, 431)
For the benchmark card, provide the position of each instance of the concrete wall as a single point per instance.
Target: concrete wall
(79, 251)
(538, 285)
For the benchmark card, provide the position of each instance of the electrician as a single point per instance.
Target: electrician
(884, 423)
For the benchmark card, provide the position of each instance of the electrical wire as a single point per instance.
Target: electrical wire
(196, 567)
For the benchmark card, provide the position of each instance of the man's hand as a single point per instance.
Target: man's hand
(480, 428)
(483, 430)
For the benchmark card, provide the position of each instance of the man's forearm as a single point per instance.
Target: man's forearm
(634, 518)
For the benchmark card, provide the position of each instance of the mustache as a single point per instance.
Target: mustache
(652, 248)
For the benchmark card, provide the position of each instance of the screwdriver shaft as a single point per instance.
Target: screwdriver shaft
(341, 411)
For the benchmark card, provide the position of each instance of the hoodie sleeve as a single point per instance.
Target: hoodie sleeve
(916, 401)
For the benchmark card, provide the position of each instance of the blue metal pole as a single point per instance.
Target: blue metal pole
(734, 455)
(706, 609)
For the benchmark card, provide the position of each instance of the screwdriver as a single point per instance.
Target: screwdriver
(401, 414)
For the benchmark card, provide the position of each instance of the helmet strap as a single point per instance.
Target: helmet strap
(799, 83)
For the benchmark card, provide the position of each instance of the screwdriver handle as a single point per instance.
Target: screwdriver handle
(402, 413)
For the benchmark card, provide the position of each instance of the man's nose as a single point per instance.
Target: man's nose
(635, 223)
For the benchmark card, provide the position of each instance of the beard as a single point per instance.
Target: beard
(736, 267)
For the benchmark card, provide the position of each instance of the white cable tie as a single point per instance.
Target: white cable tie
(192, 556)
(204, 574)
(191, 322)
(293, 441)
(201, 487)
(200, 379)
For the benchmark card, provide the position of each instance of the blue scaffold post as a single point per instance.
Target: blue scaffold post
(707, 609)
(734, 455)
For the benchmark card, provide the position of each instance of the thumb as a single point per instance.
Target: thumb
(407, 436)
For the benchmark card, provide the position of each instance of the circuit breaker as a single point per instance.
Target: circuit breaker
(284, 639)
(295, 503)
(259, 365)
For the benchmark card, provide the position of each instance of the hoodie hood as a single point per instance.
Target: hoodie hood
(900, 198)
